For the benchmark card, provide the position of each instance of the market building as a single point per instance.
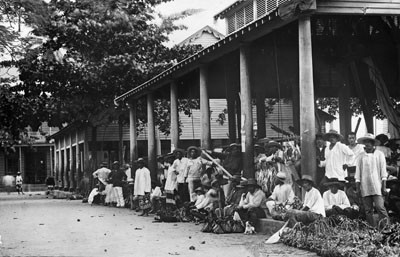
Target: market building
(299, 50)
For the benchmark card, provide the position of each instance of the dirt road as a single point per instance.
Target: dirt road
(36, 226)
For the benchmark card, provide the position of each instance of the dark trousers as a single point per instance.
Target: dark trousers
(183, 192)
(251, 214)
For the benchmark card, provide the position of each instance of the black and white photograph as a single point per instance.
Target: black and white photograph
(192, 128)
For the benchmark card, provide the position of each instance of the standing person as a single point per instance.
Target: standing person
(180, 166)
(357, 150)
(231, 161)
(195, 168)
(128, 172)
(102, 175)
(336, 156)
(142, 187)
(320, 149)
(160, 171)
(251, 205)
(371, 178)
(118, 177)
(18, 183)
(171, 184)
(313, 206)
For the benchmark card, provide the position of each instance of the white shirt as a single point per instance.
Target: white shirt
(128, 173)
(102, 174)
(142, 181)
(171, 184)
(313, 200)
(181, 167)
(357, 150)
(339, 199)
(282, 193)
(335, 158)
(370, 171)
(200, 198)
(257, 199)
(18, 180)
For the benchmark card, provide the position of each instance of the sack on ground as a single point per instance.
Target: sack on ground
(237, 226)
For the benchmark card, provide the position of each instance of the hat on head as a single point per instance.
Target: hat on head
(332, 132)
(333, 182)
(126, 166)
(305, 178)
(258, 146)
(281, 176)
(179, 150)
(19, 172)
(391, 181)
(193, 148)
(272, 143)
(104, 164)
(233, 145)
(140, 160)
(368, 137)
(382, 138)
(199, 189)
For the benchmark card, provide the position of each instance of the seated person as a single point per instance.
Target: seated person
(233, 199)
(207, 205)
(313, 206)
(394, 195)
(251, 205)
(354, 196)
(282, 194)
(336, 201)
(50, 183)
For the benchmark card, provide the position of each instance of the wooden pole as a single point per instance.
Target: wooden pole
(230, 92)
(246, 113)
(306, 90)
(174, 116)
(151, 141)
(205, 141)
(261, 128)
(132, 131)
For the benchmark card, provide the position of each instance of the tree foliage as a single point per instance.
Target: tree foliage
(94, 51)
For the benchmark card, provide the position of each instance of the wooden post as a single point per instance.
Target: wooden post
(71, 165)
(344, 110)
(174, 116)
(205, 140)
(132, 131)
(246, 113)
(230, 100)
(65, 179)
(151, 141)
(78, 171)
(260, 102)
(307, 105)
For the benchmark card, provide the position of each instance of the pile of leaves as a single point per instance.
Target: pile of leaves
(339, 236)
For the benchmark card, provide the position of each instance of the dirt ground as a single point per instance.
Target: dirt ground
(33, 225)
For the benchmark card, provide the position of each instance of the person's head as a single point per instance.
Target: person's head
(258, 149)
(178, 153)
(306, 182)
(126, 166)
(252, 185)
(280, 178)
(199, 191)
(383, 139)
(103, 165)
(319, 141)
(140, 162)
(334, 188)
(234, 148)
(235, 180)
(332, 136)
(115, 165)
(193, 152)
(352, 138)
(368, 141)
(160, 159)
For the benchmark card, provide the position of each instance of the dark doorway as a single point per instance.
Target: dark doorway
(35, 163)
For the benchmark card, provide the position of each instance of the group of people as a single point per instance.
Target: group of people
(351, 180)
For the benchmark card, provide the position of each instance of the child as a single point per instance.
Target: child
(18, 183)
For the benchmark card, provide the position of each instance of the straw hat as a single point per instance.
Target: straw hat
(252, 182)
(333, 182)
(199, 189)
(193, 148)
(305, 178)
(273, 143)
(368, 137)
(179, 150)
(332, 132)
(281, 176)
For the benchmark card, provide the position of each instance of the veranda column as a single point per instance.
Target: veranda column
(261, 128)
(71, 166)
(344, 110)
(174, 116)
(65, 173)
(77, 160)
(132, 131)
(306, 90)
(246, 113)
(151, 141)
(205, 140)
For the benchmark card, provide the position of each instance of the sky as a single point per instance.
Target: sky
(196, 21)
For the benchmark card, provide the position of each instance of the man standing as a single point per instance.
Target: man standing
(336, 156)
(371, 178)
(18, 183)
(194, 166)
(180, 166)
(313, 206)
(117, 179)
(357, 150)
(102, 175)
(142, 187)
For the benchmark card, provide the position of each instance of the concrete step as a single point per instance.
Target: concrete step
(268, 226)
(27, 188)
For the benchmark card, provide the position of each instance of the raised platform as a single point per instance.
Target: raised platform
(27, 188)
(268, 226)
